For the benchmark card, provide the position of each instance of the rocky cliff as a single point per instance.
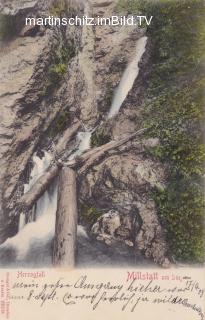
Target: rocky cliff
(51, 76)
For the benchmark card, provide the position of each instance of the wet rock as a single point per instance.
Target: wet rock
(115, 231)
(125, 183)
(107, 224)
(122, 184)
(114, 227)
(28, 105)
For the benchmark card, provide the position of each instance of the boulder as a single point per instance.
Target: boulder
(125, 183)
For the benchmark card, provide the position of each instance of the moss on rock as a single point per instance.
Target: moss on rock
(173, 111)
(89, 214)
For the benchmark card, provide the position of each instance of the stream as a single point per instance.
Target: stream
(32, 245)
(129, 76)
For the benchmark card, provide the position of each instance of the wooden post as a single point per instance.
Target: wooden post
(66, 220)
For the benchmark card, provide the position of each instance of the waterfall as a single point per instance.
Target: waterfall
(83, 143)
(22, 221)
(81, 232)
(128, 78)
(31, 246)
(39, 167)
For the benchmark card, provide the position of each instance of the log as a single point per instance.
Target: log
(81, 164)
(66, 221)
(67, 136)
(27, 201)
(95, 155)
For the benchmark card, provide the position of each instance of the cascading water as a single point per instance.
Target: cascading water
(84, 142)
(31, 246)
(128, 78)
(22, 221)
(39, 166)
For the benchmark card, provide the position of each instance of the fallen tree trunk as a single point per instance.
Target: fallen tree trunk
(67, 136)
(91, 156)
(37, 190)
(27, 201)
(66, 220)
(82, 164)
(95, 156)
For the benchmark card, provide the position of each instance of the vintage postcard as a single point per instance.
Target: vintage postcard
(102, 159)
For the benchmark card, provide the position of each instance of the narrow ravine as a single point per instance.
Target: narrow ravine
(91, 135)
(32, 245)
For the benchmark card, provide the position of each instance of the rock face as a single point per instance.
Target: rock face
(113, 226)
(124, 183)
(17, 7)
(31, 102)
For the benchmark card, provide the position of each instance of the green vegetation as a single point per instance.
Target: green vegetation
(174, 112)
(60, 63)
(58, 8)
(7, 27)
(58, 67)
(89, 214)
(129, 6)
(99, 138)
(56, 72)
(109, 96)
(60, 124)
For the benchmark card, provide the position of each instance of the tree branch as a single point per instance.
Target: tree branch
(29, 198)
(82, 164)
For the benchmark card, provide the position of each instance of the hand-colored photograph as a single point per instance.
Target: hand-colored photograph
(102, 134)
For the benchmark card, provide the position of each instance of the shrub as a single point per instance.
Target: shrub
(89, 214)
(60, 62)
(57, 69)
(109, 96)
(60, 123)
(99, 138)
(56, 72)
(175, 115)
(174, 112)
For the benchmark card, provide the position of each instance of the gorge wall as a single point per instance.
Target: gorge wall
(54, 76)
